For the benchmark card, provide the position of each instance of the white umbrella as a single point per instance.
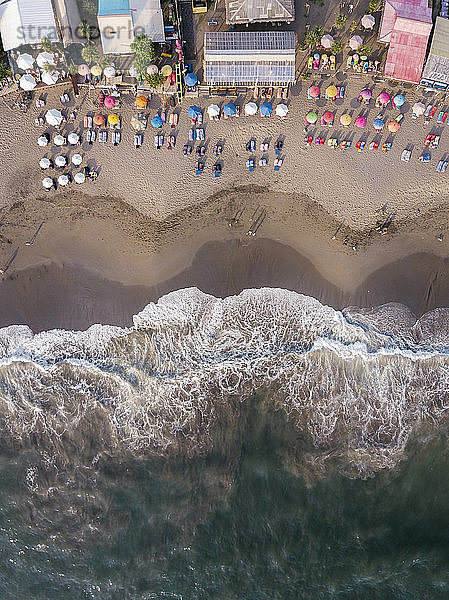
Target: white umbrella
(132, 72)
(418, 108)
(25, 61)
(42, 141)
(73, 138)
(47, 182)
(49, 78)
(355, 42)
(368, 21)
(53, 117)
(281, 110)
(327, 41)
(251, 108)
(44, 163)
(77, 159)
(80, 178)
(45, 58)
(60, 161)
(63, 180)
(27, 82)
(59, 140)
(213, 110)
(109, 72)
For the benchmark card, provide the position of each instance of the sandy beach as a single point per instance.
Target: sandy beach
(149, 225)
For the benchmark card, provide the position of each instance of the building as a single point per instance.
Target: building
(120, 21)
(261, 58)
(436, 70)
(26, 22)
(405, 26)
(252, 11)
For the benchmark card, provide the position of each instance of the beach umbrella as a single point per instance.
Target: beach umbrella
(384, 98)
(368, 21)
(332, 91)
(378, 124)
(27, 82)
(73, 138)
(266, 109)
(45, 58)
(132, 72)
(419, 108)
(360, 122)
(166, 70)
(156, 122)
(141, 101)
(393, 126)
(316, 56)
(345, 120)
(327, 41)
(44, 163)
(80, 178)
(49, 78)
(366, 94)
(328, 116)
(99, 119)
(77, 159)
(193, 111)
(25, 61)
(63, 180)
(311, 117)
(59, 140)
(314, 91)
(60, 161)
(152, 70)
(281, 110)
(96, 70)
(251, 109)
(398, 100)
(213, 110)
(42, 141)
(355, 42)
(113, 119)
(47, 183)
(109, 72)
(53, 117)
(229, 109)
(109, 101)
(83, 70)
(190, 79)
(139, 122)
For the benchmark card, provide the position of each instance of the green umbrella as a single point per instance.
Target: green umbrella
(311, 117)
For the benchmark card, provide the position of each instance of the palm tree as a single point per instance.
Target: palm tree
(84, 31)
(314, 36)
(5, 71)
(91, 54)
(336, 47)
(340, 21)
(143, 46)
(364, 50)
(47, 45)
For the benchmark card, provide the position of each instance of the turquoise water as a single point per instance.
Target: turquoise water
(250, 520)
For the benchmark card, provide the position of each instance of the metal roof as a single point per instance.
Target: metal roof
(231, 41)
(113, 7)
(440, 39)
(436, 69)
(26, 22)
(249, 11)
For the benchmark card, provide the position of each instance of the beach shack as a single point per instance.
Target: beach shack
(248, 59)
(120, 21)
(405, 26)
(436, 69)
(268, 11)
(26, 22)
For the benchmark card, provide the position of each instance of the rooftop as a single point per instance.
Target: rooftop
(250, 11)
(436, 70)
(113, 7)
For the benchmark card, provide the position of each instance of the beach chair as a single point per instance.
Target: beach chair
(263, 162)
(316, 64)
(443, 120)
(192, 135)
(200, 135)
(278, 163)
(440, 117)
(310, 63)
(199, 168)
(278, 147)
(427, 111)
(218, 149)
(332, 62)
(250, 164)
(216, 169)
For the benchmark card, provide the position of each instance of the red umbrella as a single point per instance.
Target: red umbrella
(328, 116)
(99, 119)
(314, 91)
(109, 102)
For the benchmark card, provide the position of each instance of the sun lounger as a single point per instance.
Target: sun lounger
(138, 139)
(216, 169)
(332, 62)
(218, 149)
(103, 136)
(251, 146)
(200, 135)
(374, 146)
(263, 162)
(310, 63)
(332, 142)
(424, 157)
(443, 120)
(278, 163)
(192, 135)
(250, 164)
(175, 119)
(199, 168)
(278, 147)
(440, 117)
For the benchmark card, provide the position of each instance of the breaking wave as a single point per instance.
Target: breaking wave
(356, 383)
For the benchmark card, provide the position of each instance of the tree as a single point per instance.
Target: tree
(143, 46)
(91, 54)
(303, 45)
(141, 63)
(84, 31)
(336, 47)
(305, 75)
(5, 72)
(89, 7)
(353, 27)
(364, 50)
(155, 80)
(373, 6)
(49, 68)
(340, 21)
(106, 61)
(314, 36)
(47, 45)
(73, 69)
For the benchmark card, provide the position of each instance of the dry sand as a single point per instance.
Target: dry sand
(149, 225)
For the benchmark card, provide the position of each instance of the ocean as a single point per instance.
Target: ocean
(261, 446)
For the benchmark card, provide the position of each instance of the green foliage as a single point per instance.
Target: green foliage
(5, 71)
(89, 7)
(314, 36)
(373, 6)
(303, 45)
(85, 31)
(340, 21)
(353, 27)
(143, 46)
(364, 50)
(106, 61)
(73, 69)
(336, 47)
(91, 54)
(47, 45)
(49, 68)
(155, 80)
(306, 75)
(141, 63)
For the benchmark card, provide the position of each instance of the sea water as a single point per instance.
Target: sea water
(262, 446)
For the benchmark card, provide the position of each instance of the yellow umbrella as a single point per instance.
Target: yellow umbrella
(345, 119)
(96, 71)
(141, 101)
(113, 119)
(332, 91)
(166, 70)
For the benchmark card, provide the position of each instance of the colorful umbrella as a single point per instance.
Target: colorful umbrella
(316, 56)
(27, 82)
(213, 110)
(113, 119)
(229, 109)
(378, 123)
(355, 42)
(399, 100)
(366, 94)
(109, 72)
(281, 110)
(345, 120)
(53, 117)
(96, 70)
(109, 101)
(83, 70)
(360, 122)
(384, 98)
(419, 108)
(141, 101)
(328, 116)
(190, 79)
(47, 183)
(314, 91)
(368, 21)
(311, 117)
(327, 41)
(166, 70)
(332, 91)
(99, 119)
(266, 109)
(251, 109)
(156, 122)
(393, 126)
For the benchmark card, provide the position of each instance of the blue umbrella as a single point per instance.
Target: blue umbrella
(399, 100)
(193, 112)
(229, 109)
(190, 79)
(266, 109)
(378, 123)
(316, 56)
(156, 121)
